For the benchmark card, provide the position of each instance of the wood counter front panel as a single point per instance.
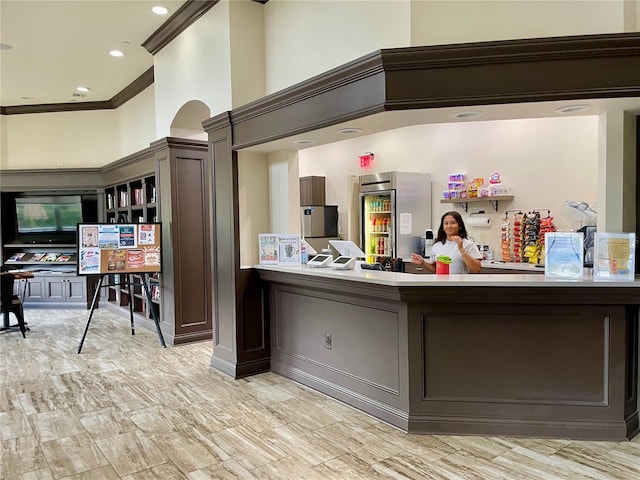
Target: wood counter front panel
(367, 362)
(553, 370)
(559, 359)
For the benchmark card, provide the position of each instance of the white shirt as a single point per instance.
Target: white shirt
(450, 249)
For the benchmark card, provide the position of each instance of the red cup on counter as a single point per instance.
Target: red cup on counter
(442, 268)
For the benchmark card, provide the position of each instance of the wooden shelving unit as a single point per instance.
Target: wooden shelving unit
(133, 201)
(493, 201)
(52, 258)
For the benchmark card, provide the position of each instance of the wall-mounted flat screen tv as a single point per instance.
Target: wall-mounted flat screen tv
(47, 215)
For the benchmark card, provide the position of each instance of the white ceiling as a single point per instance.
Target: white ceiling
(60, 45)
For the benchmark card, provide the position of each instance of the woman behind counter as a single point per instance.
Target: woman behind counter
(452, 241)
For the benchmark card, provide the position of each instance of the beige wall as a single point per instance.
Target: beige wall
(306, 38)
(196, 65)
(254, 201)
(246, 21)
(78, 139)
(545, 161)
(445, 21)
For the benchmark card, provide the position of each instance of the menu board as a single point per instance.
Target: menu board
(113, 248)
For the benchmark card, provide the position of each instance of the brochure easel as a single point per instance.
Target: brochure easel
(128, 284)
(122, 250)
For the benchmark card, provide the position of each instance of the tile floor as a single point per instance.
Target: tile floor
(127, 408)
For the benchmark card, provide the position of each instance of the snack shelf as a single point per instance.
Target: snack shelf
(493, 201)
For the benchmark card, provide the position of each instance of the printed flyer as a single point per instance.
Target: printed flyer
(289, 249)
(614, 256)
(268, 248)
(563, 255)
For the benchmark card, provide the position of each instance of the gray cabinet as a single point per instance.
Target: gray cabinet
(65, 288)
(47, 290)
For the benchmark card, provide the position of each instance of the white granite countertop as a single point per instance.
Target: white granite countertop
(500, 265)
(481, 280)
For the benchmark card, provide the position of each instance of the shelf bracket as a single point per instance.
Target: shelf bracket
(465, 206)
(494, 204)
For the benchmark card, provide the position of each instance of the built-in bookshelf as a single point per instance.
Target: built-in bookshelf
(182, 295)
(132, 202)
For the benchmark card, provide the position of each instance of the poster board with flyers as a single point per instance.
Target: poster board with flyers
(115, 248)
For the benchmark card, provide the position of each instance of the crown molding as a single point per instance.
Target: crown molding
(134, 88)
(188, 13)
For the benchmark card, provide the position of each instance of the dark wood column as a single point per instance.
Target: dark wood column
(183, 194)
(241, 333)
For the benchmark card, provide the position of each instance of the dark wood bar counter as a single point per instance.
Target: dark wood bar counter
(480, 354)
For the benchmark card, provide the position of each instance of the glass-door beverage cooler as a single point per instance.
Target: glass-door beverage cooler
(395, 210)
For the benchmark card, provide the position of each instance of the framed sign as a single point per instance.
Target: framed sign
(113, 248)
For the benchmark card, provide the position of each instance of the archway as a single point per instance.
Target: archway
(187, 122)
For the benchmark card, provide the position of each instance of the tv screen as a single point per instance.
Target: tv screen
(53, 214)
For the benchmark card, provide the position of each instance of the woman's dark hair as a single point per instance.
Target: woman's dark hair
(462, 232)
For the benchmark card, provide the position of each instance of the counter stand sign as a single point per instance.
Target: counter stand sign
(268, 248)
(563, 255)
(289, 246)
(614, 256)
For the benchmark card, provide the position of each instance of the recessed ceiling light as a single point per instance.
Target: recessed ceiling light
(303, 142)
(83, 89)
(116, 53)
(467, 115)
(4, 46)
(349, 131)
(158, 10)
(573, 108)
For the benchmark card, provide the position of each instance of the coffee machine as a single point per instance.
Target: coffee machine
(583, 219)
(428, 243)
(589, 233)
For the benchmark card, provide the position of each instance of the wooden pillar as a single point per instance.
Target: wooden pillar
(241, 330)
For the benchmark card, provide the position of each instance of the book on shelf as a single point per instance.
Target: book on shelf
(124, 199)
(50, 257)
(37, 257)
(137, 196)
(63, 258)
(16, 257)
(110, 203)
(153, 195)
(155, 292)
